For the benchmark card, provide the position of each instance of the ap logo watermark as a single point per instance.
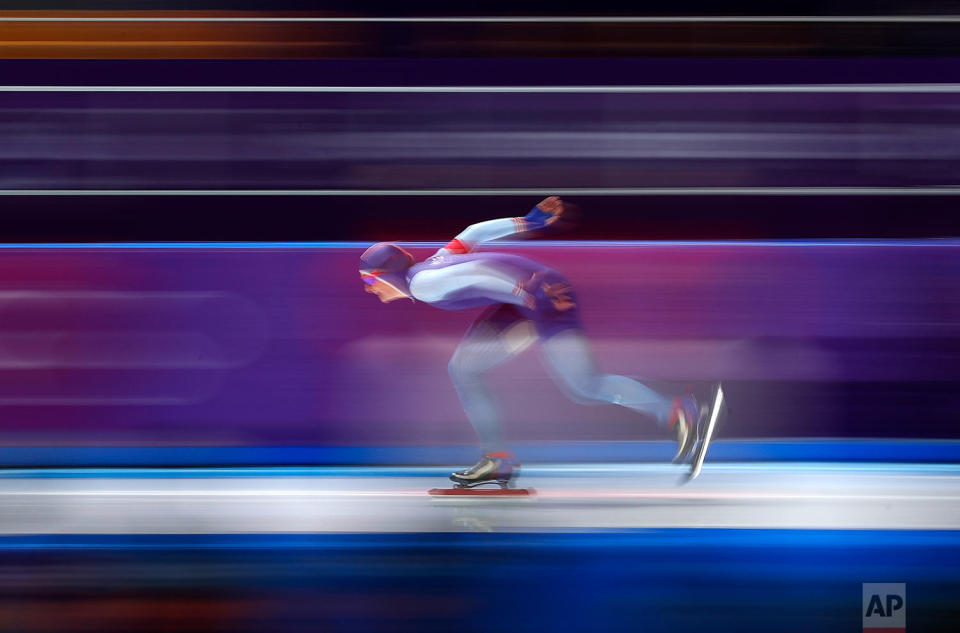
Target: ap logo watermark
(884, 607)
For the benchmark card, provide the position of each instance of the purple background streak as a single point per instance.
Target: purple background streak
(388, 141)
(253, 346)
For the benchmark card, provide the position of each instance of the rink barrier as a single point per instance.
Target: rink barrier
(817, 450)
(647, 539)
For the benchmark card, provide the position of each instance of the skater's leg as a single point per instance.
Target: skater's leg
(490, 342)
(569, 359)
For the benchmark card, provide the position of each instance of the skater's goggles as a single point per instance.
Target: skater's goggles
(370, 278)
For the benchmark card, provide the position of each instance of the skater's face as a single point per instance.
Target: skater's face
(384, 291)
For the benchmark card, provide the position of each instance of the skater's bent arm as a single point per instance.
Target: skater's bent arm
(543, 214)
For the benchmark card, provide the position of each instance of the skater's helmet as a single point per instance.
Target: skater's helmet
(387, 262)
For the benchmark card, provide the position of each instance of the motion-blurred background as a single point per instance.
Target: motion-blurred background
(768, 199)
(302, 123)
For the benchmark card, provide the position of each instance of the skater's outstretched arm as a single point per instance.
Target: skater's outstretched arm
(545, 213)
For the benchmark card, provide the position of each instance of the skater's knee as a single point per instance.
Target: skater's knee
(582, 389)
(461, 370)
(454, 369)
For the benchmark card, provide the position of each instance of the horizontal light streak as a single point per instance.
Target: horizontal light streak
(950, 190)
(933, 242)
(891, 88)
(528, 19)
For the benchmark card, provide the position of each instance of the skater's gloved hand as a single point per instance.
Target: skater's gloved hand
(554, 206)
(546, 212)
(542, 293)
(559, 296)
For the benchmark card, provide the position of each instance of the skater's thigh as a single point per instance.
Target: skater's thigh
(497, 335)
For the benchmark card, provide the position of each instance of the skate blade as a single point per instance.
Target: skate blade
(491, 494)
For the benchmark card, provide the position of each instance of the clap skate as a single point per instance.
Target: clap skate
(706, 434)
(497, 469)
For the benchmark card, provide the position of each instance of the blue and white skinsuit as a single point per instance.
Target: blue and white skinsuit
(520, 293)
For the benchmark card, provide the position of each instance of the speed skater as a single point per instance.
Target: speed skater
(525, 301)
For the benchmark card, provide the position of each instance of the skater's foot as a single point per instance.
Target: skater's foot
(499, 467)
(710, 415)
(684, 422)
